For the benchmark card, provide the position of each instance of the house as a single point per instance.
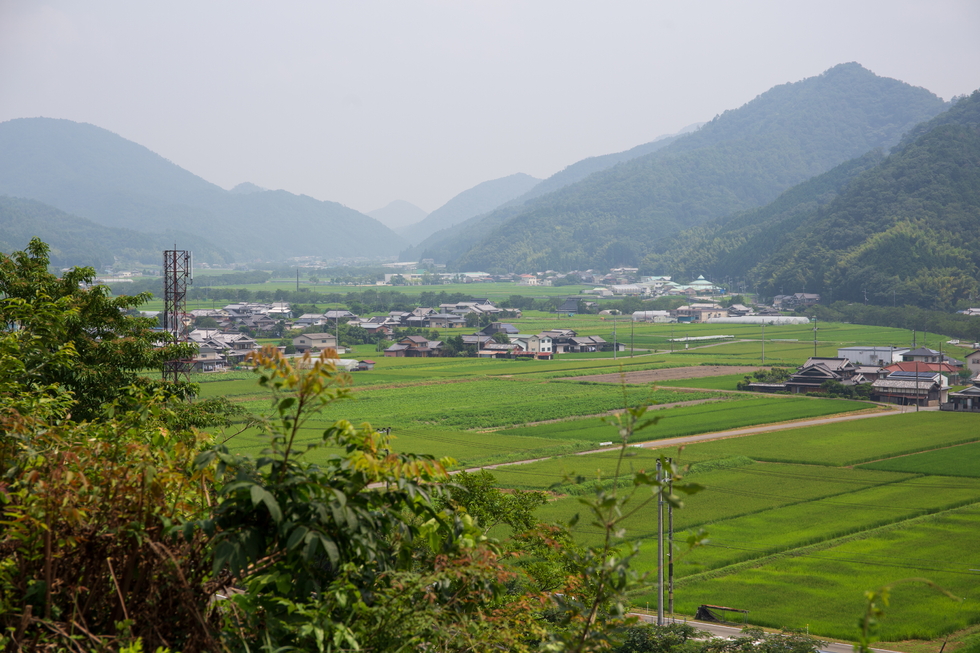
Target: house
(414, 347)
(207, 359)
(339, 315)
(653, 316)
(923, 355)
(538, 344)
(365, 365)
(496, 327)
(569, 306)
(699, 312)
(443, 320)
(818, 370)
(966, 400)
(314, 342)
(739, 310)
(527, 280)
(973, 362)
(796, 300)
(308, 320)
(911, 389)
(910, 366)
(584, 344)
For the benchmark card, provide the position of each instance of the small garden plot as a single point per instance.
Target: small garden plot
(961, 460)
(822, 587)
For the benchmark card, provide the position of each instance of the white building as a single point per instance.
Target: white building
(879, 356)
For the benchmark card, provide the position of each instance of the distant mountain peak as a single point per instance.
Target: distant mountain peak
(246, 188)
(398, 213)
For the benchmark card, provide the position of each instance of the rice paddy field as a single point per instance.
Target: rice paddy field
(797, 532)
(801, 521)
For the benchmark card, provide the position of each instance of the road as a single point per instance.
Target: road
(721, 630)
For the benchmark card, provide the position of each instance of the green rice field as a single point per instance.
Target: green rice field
(796, 534)
(961, 460)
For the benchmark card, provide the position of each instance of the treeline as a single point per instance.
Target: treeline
(911, 318)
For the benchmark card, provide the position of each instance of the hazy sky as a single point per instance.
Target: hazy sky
(364, 102)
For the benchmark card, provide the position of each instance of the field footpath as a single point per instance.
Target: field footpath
(880, 410)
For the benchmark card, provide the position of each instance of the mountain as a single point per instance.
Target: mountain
(398, 214)
(480, 199)
(743, 158)
(452, 242)
(245, 188)
(76, 241)
(904, 230)
(91, 172)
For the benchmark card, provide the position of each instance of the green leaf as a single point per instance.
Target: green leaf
(261, 495)
(296, 537)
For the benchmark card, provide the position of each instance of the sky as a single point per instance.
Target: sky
(372, 101)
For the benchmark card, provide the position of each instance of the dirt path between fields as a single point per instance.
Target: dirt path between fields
(669, 374)
(877, 411)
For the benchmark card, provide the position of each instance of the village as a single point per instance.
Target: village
(916, 376)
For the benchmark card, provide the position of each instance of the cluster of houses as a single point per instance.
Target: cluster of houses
(713, 313)
(486, 344)
(908, 377)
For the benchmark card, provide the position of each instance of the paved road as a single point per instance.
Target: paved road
(721, 630)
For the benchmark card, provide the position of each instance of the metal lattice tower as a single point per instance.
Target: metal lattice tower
(177, 273)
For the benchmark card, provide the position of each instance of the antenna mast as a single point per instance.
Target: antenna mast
(177, 273)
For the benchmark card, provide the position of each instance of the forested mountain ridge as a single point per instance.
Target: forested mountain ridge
(905, 231)
(728, 247)
(454, 241)
(742, 159)
(93, 173)
(480, 199)
(896, 229)
(79, 242)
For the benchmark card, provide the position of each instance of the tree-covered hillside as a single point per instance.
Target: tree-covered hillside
(903, 232)
(890, 229)
(742, 159)
(76, 241)
(95, 174)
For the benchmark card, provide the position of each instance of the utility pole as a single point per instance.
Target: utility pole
(917, 386)
(670, 542)
(814, 337)
(660, 546)
(632, 324)
(763, 343)
(615, 344)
